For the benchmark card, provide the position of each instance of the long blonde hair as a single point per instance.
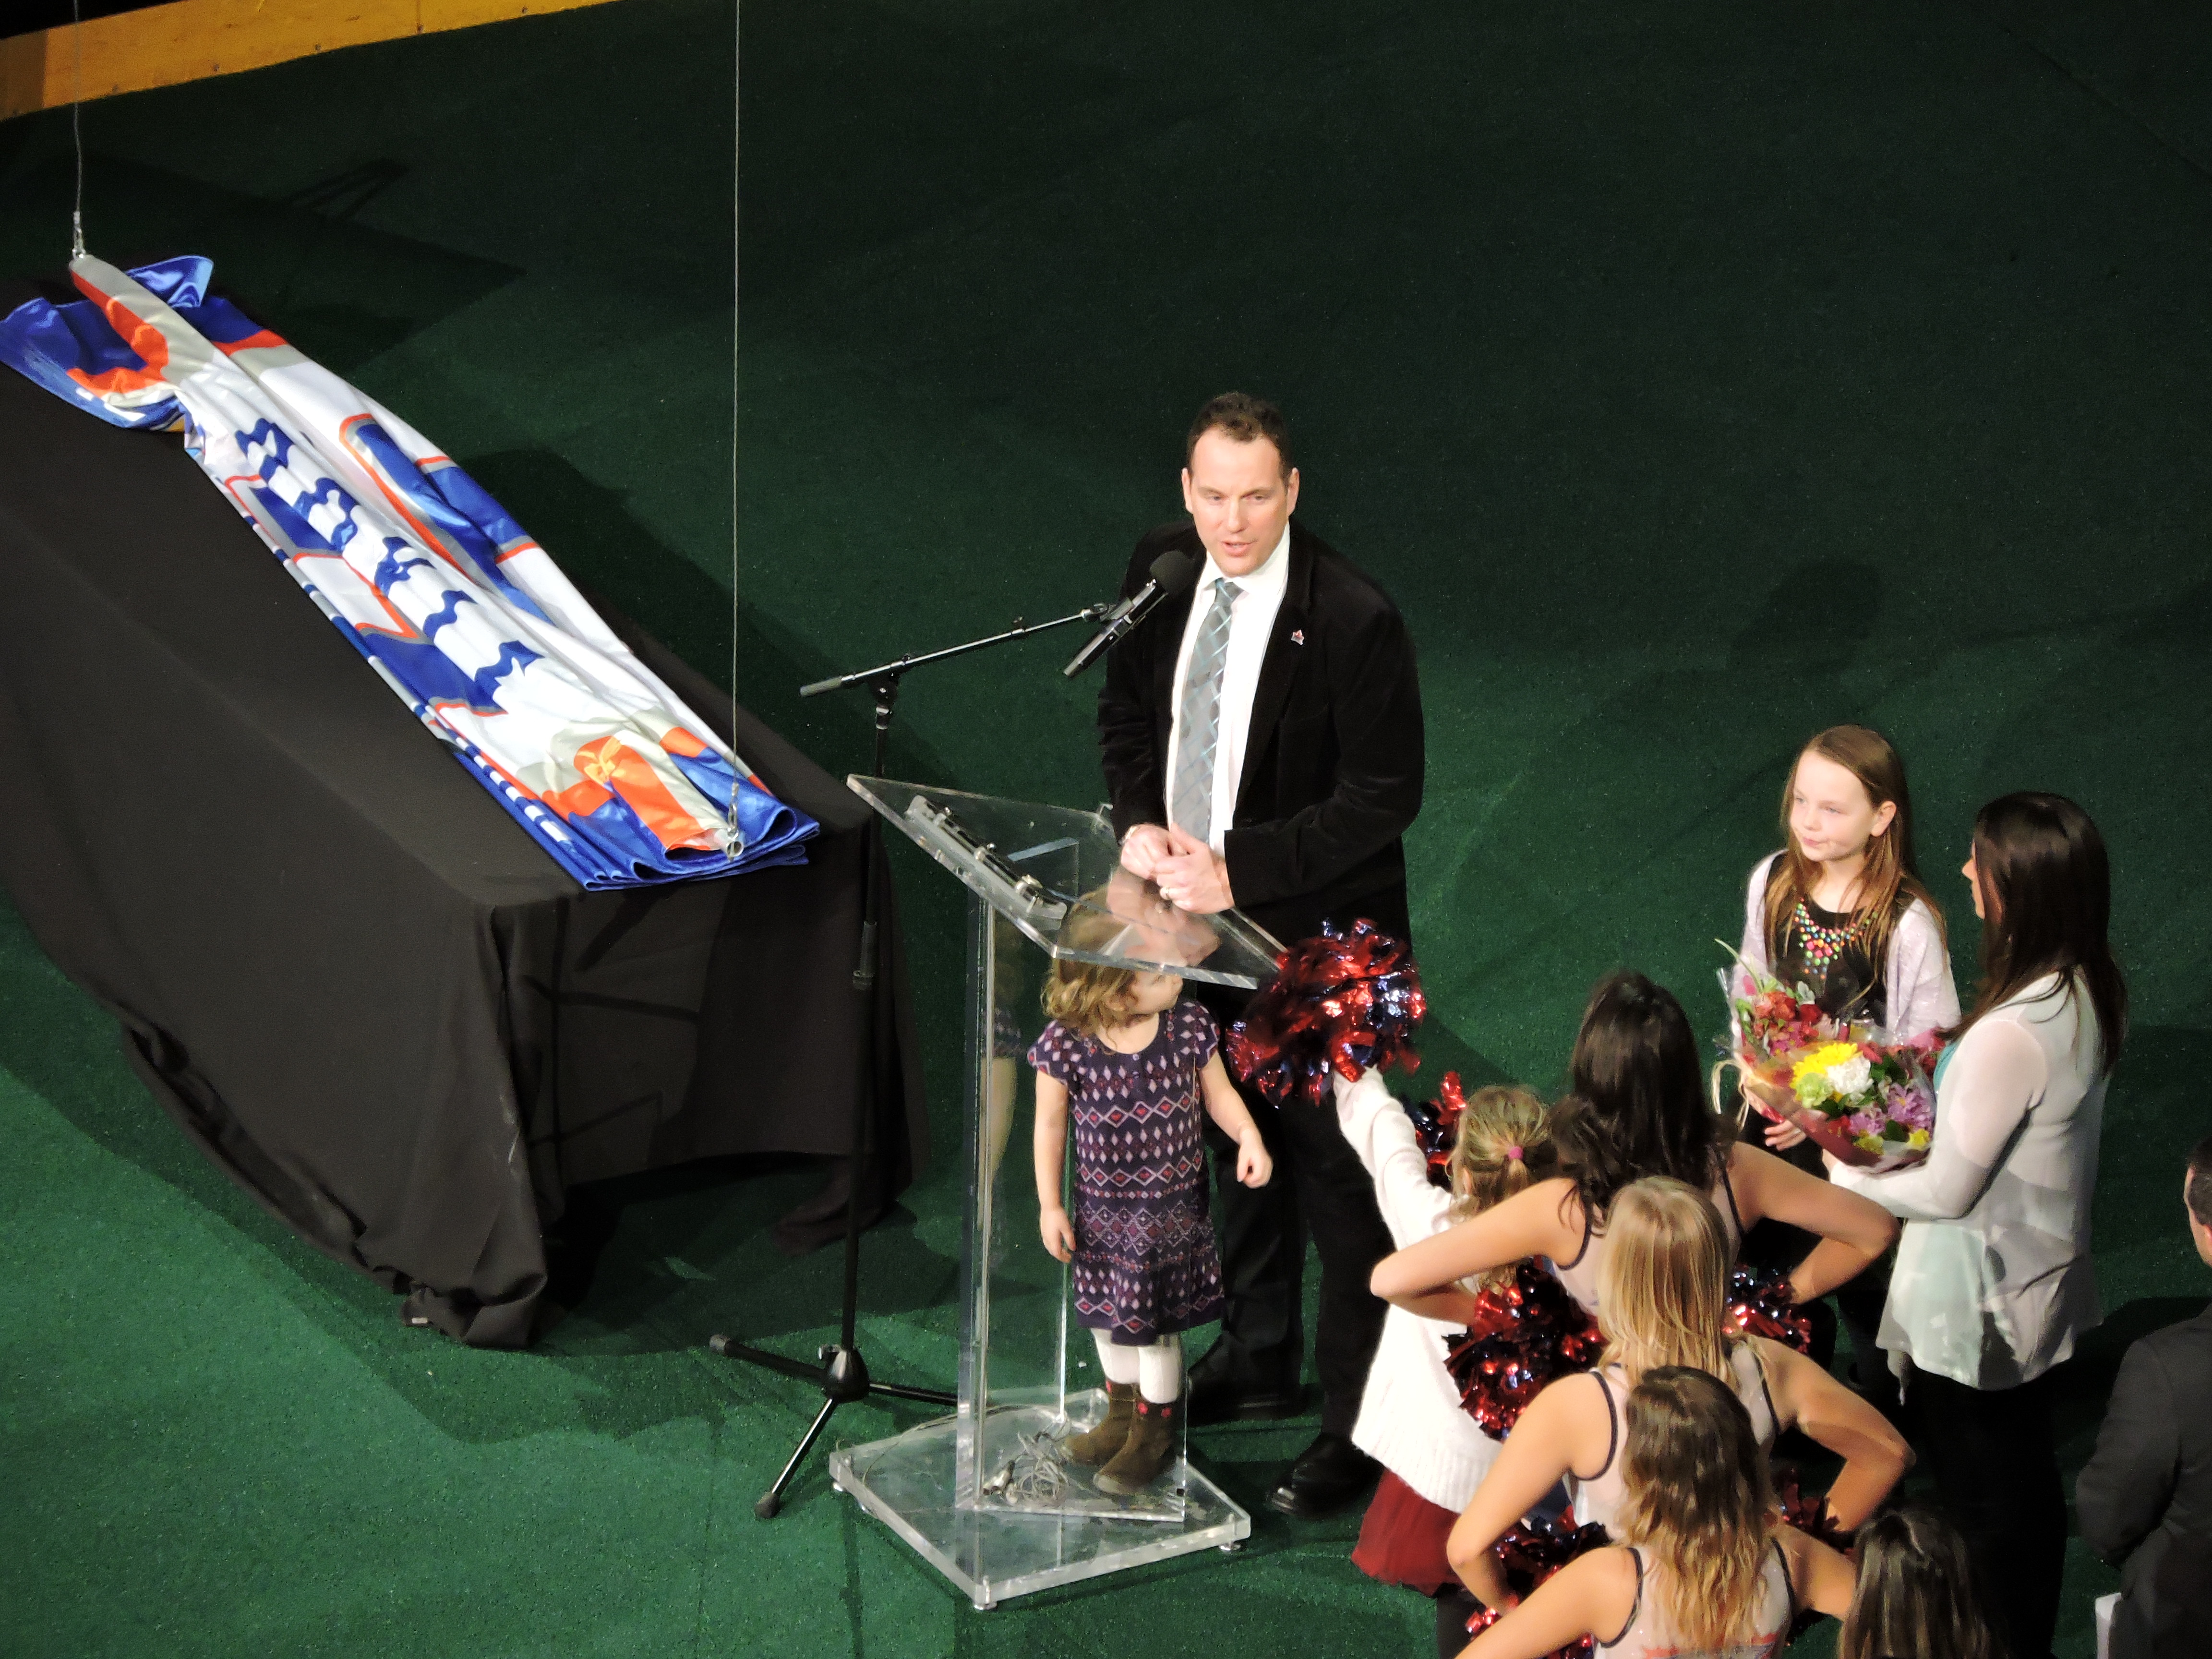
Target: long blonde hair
(1891, 881)
(1662, 1284)
(1698, 1500)
(1504, 1143)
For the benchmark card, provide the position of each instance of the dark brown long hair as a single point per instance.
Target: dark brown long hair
(2047, 885)
(1890, 880)
(1638, 1102)
(1915, 1598)
(1698, 1500)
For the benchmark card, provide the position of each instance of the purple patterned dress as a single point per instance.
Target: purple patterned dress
(1145, 1259)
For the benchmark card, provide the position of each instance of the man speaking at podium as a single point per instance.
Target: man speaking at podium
(1262, 732)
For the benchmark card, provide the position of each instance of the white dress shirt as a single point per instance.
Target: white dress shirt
(1251, 621)
(1994, 1279)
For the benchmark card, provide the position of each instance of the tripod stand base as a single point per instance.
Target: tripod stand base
(843, 1377)
(993, 1551)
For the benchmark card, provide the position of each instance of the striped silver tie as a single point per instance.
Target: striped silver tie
(1198, 722)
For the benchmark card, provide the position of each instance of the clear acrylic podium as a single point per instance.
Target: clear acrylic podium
(985, 1496)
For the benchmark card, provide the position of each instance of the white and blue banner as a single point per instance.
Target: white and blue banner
(466, 618)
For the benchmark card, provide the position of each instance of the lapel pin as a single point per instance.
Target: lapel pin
(1297, 636)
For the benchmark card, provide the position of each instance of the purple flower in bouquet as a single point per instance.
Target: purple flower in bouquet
(1864, 1124)
(1909, 1106)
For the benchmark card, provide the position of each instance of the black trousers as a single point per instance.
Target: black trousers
(1995, 1459)
(1319, 1188)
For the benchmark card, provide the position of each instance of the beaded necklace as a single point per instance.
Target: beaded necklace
(1823, 944)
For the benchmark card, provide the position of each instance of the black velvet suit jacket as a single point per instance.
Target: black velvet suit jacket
(1333, 758)
(2147, 1494)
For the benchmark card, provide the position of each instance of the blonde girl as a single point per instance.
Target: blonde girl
(1704, 1565)
(1664, 1304)
(1432, 1453)
(1128, 1065)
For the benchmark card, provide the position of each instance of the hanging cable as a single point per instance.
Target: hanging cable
(736, 104)
(77, 128)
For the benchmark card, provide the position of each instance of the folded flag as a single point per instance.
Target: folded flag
(464, 615)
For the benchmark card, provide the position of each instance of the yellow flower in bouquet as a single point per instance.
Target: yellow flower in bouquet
(1814, 1077)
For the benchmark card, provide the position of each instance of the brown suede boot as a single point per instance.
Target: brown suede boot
(1151, 1445)
(1096, 1446)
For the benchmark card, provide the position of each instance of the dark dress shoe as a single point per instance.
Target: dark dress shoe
(1224, 1386)
(1329, 1475)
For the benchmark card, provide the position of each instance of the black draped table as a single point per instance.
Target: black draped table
(347, 975)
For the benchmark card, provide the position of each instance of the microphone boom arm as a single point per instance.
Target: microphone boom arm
(891, 672)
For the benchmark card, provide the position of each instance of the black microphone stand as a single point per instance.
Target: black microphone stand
(838, 1369)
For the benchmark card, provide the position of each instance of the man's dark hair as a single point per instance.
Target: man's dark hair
(2199, 1190)
(1245, 419)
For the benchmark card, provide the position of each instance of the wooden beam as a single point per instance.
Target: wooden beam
(193, 40)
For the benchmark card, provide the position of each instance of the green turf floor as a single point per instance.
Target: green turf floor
(1695, 374)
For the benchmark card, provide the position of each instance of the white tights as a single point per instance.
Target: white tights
(1156, 1367)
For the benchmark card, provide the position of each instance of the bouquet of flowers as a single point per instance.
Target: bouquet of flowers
(1853, 1091)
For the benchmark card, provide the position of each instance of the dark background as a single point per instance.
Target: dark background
(1695, 376)
(27, 17)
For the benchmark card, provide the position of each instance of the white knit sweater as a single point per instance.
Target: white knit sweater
(1917, 975)
(1410, 1417)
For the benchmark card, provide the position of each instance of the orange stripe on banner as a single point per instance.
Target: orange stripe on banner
(141, 336)
(260, 342)
(578, 800)
(612, 762)
(195, 40)
(677, 741)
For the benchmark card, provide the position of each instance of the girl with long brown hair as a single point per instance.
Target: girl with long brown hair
(1637, 1108)
(1994, 1281)
(1916, 1592)
(1703, 1566)
(1664, 1303)
(1840, 910)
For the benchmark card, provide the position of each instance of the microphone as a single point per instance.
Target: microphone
(1172, 572)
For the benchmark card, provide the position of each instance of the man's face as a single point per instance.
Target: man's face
(1239, 499)
(2199, 1234)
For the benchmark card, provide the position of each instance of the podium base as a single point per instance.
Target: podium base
(998, 1551)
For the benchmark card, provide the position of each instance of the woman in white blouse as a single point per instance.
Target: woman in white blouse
(1994, 1281)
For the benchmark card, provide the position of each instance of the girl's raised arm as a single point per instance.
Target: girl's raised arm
(1818, 1577)
(1853, 1231)
(1875, 1454)
(1592, 1595)
(1539, 1450)
(1530, 1223)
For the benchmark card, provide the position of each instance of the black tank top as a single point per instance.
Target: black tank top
(1847, 984)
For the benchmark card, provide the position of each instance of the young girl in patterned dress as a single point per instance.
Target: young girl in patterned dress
(1129, 1066)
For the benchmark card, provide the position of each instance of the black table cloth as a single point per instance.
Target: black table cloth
(337, 962)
